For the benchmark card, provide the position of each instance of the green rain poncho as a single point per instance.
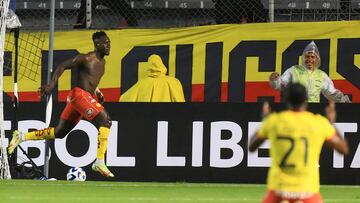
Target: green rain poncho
(316, 81)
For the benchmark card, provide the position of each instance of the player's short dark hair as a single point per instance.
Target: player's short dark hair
(295, 95)
(97, 35)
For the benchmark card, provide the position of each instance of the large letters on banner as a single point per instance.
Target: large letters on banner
(219, 63)
(183, 142)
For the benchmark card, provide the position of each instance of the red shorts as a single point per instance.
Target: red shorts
(81, 104)
(273, 197)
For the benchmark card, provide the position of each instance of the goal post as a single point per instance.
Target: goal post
(4, 166)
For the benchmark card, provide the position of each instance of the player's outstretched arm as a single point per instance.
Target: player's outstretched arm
(68, 64)
(337, 142)
(255, 140)
(266, 110)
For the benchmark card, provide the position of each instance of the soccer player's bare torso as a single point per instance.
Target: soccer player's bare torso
(91, 69)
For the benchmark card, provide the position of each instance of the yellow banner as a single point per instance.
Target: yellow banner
(283, 35)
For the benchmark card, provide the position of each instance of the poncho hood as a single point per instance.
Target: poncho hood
(156, 67)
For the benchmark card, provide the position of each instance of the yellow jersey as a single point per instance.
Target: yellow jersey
(296, 139)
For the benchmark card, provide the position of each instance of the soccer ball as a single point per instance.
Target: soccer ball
(76, 173)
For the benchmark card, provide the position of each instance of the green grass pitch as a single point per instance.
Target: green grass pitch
(36, 191)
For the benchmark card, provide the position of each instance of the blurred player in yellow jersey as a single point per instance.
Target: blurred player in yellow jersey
(296, 138)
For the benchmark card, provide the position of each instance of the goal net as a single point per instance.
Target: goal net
(30, 44)
(20, 55)
(4, 167)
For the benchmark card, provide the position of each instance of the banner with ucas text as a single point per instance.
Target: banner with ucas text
(216, 63)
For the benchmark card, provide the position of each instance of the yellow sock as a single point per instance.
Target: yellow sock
(47, 133)
(102, 142)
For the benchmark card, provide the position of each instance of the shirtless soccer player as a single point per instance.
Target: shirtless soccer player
(84, 101)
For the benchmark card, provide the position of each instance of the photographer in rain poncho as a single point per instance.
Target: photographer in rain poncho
(308, 74)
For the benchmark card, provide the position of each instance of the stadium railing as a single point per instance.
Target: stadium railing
(107, 14)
